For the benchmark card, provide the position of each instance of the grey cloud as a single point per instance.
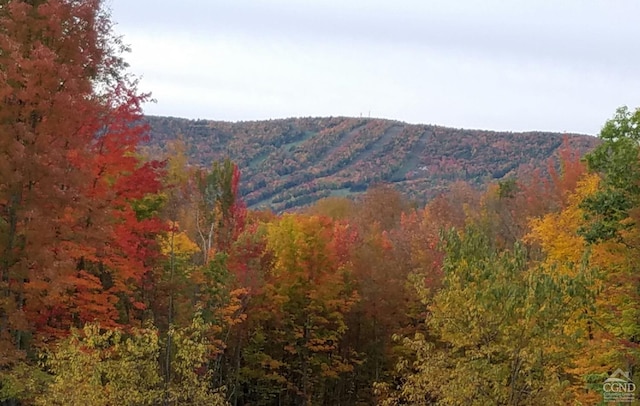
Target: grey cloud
(582, 35)
(546, 64)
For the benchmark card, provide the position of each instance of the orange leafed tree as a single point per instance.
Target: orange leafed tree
(296, 315)
(72, 246)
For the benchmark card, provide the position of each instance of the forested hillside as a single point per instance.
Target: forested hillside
(294, 162)
(133, 279)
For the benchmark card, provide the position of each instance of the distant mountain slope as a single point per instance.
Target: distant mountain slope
(292, 162)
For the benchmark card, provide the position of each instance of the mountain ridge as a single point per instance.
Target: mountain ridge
(288, 163)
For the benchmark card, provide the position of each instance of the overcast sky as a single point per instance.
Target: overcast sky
(557, 65)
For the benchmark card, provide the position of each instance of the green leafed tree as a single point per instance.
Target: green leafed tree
(97, 366)
(616, 160)
(219, 211)
(495, 331)
(94, 367)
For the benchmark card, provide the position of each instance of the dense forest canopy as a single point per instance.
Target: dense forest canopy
(291, 163)
(131, 276)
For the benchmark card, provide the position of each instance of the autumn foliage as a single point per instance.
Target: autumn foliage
(137, 278)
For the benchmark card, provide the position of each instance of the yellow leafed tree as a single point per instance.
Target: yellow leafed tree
(602, 329)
